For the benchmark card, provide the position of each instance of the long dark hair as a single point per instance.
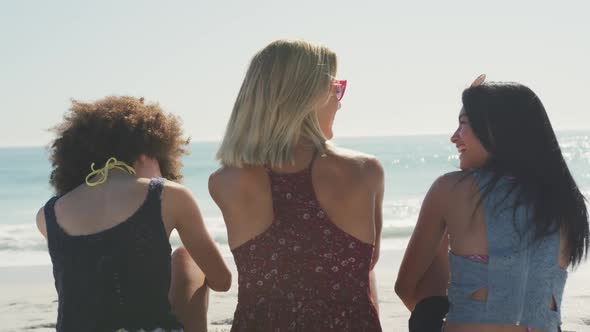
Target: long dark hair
(512, 125)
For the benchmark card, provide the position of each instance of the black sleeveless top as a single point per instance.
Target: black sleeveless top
(115, 279)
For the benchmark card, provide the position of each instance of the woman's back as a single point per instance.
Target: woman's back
(302, 238)
(111, 256)
(499, 274)
(514, 216)
(109, 227)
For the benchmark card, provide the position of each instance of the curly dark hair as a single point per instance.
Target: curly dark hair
(120, 127)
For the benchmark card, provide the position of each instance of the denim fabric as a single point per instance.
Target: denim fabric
(521, 276)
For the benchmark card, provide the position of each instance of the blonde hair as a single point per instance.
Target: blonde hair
(275, 108)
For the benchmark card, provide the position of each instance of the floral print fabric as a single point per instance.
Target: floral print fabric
(303, 273)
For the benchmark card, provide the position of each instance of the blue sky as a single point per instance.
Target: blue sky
(406, 62)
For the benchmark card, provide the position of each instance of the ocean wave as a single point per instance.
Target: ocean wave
(21, 237)
(28, 238)
(24, 245)
(396, 232)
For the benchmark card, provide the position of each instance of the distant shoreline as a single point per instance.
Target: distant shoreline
(218, 140)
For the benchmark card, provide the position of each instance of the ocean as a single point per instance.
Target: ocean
(411, 164)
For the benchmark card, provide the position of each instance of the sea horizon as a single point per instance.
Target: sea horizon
(339, 137)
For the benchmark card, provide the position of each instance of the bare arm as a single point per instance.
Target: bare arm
(425, 244)
(436, 278)
(40, 220)
(377, 179)
(195, 237)
(378, 182)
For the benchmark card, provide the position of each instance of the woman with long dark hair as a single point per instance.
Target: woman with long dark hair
(514, 216)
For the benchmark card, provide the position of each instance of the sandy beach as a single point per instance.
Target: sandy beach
(28, 300)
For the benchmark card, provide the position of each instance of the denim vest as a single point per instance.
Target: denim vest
(521, 275)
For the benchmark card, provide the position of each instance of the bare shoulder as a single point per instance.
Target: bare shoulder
(231, 181)
(40, 221)
(349, 155)
(354, 164)
(235, 176)
(177, 201)
(226, 174)
(455, 184)
(176, 192)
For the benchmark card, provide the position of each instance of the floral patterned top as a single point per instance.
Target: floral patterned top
(303, 273)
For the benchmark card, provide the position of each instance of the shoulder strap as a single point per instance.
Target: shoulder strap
(155, 188)
(152, 209)
(51, 225)
(313, 156)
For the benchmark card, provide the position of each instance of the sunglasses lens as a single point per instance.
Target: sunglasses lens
(339, 92)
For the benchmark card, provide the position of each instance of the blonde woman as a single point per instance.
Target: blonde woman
(303, 218)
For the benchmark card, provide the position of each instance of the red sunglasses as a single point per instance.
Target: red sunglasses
(340, 88)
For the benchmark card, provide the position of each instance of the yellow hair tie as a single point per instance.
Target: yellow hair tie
(104, 172)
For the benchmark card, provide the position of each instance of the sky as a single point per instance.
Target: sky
(406, 62)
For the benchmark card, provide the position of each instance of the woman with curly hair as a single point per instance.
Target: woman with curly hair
(114, 163)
